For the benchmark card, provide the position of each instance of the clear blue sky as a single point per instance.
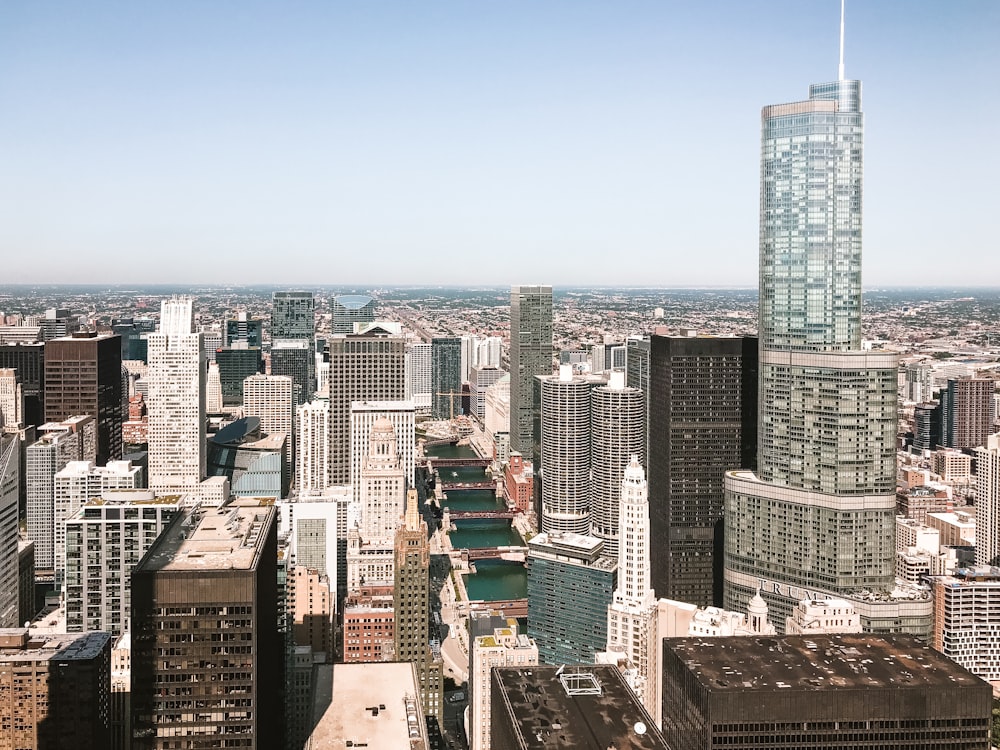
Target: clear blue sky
(545, 141)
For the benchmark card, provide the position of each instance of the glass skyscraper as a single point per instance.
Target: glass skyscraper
(818, 517)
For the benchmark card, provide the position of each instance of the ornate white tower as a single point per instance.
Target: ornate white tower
(632, 615)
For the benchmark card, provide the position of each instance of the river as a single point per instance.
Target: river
(494, 579)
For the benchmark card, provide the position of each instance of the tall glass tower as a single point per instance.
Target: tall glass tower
(818, 517)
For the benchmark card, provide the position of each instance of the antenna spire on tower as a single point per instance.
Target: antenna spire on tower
(841, 69)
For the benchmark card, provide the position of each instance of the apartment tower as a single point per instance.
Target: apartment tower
(818, 516)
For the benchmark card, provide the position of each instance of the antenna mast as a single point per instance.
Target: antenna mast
(841, 69)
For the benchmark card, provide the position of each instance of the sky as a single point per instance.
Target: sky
(568, 142)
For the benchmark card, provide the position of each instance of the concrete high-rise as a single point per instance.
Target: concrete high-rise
(617, 434)
(703, 402)
(818, 516)
(176, 402)
(271, 398)
(988, 502)
(83, 375)
(530, 356)
(505, 647)
(382, 480)
(411, 590)
(418, 375)
(312, 446)
(968, 412)
(565, 450)
(11, 399)
(446, 377)
(55, 690)
(205, 613)
(105, 539)
(364, 367)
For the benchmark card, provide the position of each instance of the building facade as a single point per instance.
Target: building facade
(703, 402)
(818, 515)
(446, 377)
(968, 412)
(988, 502)
(348, 309)
(530, 356)
(312, 446)
(570, 585)
(504, 648)
(205, 612)
(83, 375)
(176, 400)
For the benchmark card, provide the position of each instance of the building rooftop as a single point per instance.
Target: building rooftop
(547, 715)
(816, 662)
(24, 645)
(372, 705)
(226, 538)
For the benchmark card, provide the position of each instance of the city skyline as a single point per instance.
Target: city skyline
(327, 135)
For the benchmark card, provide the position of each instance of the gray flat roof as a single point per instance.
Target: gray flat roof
(548, 717)
(816, 662)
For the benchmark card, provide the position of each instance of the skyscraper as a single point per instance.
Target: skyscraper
(530, 355)
(312, 446)
(988, 502)
(446, 377)
(348, 309)
(293, 315)
(632, 616)
(967, 412)
(703, 403)
(28, 360)
(177, 376)
(364, 367)
(271, 398)
(818, 516)
(617, 435)
(83, 375)
(244, 330)
(411, 571)
(10, 477)
(418, 375)
(565, 450)
(205, 613)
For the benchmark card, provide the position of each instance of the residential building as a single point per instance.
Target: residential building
(617, 435)
(843, 691)
(967, 619)
(968, 412)
(176, 401)
(54, 690)
(369, 625)
(76, 484)
(480, 379)
(565, 449)
(570, 585)
(312, 446)
(927, 428)
(105, 539)
(418, 375)
(496, 417)
(817, 518)
(83, 375)
(530, 356)
(988, 501)
(446, 377)
(214, 579)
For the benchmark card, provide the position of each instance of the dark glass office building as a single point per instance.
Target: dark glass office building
(446, 377)
(703, 423)
(235, 366)
(29, 361)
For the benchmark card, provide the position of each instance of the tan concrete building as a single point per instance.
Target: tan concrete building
(312, 611)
